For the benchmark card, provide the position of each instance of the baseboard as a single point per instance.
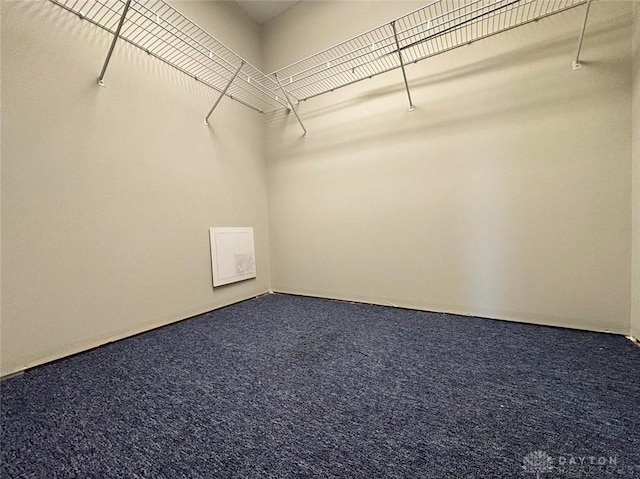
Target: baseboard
(90, 346)
(11, 375)
(514, 317)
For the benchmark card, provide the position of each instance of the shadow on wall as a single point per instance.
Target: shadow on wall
(82, 31)
(461, 110)
(453, 114)
(502, 194)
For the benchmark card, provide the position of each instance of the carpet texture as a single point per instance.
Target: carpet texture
(293, 387)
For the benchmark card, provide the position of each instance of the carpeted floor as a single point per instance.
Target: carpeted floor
(285, 386)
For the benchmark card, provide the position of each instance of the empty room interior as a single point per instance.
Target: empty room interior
(337, 239)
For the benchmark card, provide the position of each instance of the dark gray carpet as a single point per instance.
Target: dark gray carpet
(284, 386)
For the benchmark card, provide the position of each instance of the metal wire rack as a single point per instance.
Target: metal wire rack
(163, 32)
(160, 30)
(436, 28)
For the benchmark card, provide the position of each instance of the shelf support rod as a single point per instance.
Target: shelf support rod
(576, 63)
(113, 43)
(404, 74)
(223, 92)
(286, 95)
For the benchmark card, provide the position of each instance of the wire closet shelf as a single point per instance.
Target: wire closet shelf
(163, 32)
(436, 28)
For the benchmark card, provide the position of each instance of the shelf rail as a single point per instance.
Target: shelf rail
(436, 28)
(163, 32)
(443, 25)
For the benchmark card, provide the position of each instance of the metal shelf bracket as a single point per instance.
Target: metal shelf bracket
(404, 73)
(160, 30)
(286, 95)
(113, 43)
(436, 28)
(576, 63)
(223, 93)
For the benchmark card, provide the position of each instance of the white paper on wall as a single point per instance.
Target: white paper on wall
(233, 256)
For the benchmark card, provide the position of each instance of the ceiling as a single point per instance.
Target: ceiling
(261, 11)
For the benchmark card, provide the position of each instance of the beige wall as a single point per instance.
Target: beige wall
(310, 27)
(505, 194)
(108, 194)
(635, 291)
(228, 23)
(1, 255)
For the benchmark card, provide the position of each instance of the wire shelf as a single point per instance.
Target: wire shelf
(163, 32)
(160, 30)
(436, 28)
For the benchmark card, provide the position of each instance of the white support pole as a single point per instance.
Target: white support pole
(223, 92)
(113, 43)
(286, 95)
(404, 74)
(576, 63)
